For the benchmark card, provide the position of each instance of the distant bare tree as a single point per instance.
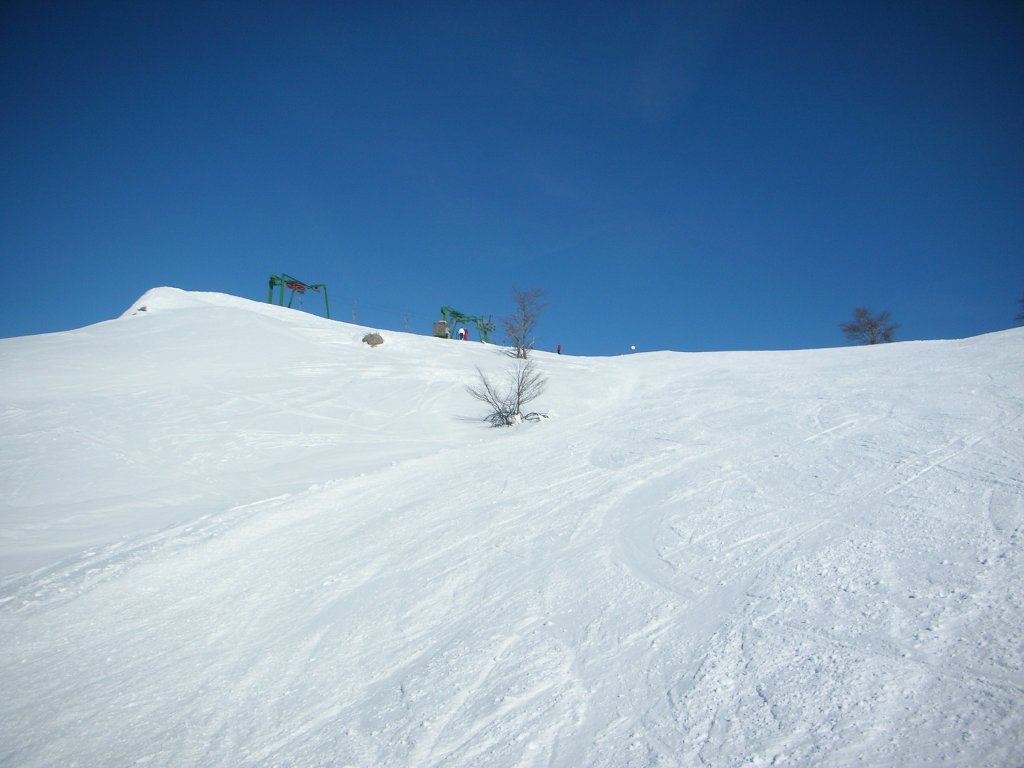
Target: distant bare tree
(1020, 315)
(866, 328)
(520, 325)
(525, 384)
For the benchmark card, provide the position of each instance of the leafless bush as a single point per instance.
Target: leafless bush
(866, 328)
(520, 325)
(524, 385)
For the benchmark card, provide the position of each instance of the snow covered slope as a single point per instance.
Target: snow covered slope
(232, 534)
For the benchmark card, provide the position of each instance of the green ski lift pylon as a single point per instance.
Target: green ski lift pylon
(453, 317)
(295, 285)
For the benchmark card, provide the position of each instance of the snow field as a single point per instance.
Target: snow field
(231, 534)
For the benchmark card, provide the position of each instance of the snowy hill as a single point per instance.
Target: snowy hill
(233, 534)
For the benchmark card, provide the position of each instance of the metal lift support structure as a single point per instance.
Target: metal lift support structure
(295, 285)
(453, 317)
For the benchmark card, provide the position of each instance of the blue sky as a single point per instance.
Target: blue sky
(686, 176)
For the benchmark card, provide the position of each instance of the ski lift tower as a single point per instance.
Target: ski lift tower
(452, 317)
(295, 285)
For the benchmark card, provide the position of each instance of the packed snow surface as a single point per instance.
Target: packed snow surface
(233, 534)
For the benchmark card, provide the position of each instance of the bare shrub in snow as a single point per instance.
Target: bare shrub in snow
(520, 325)
(524, 385)
(866, 328)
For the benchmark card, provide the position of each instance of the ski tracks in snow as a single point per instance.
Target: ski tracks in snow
(733, 544)
(705, 560)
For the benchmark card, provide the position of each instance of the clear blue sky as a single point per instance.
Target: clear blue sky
(687, 176)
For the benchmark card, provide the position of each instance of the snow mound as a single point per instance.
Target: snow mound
(233, 534)
(168, 299)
